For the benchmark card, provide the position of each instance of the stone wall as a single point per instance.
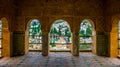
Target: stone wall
(74, 12)
(101, 46)
(18, 41)
(20, 12)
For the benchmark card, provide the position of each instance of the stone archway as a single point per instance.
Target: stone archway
(33, 43)
(5, 39)
(114, 37)
(60, 36)
(88, 36)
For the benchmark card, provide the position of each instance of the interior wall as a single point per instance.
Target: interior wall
(72, 11)
(19, 12)
(114, 37)
(5, 38)
(7, 14)
(111, 16)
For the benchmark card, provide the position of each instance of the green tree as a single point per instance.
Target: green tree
(36, 29)
(67, 32)
(82, 33)
(89, 31)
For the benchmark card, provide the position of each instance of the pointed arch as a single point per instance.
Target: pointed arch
(60, 36)
(90, 22)
(87, 36)
(33, 36)
(114, 37)
(5, 37)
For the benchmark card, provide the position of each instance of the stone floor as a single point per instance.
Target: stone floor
(59, 59)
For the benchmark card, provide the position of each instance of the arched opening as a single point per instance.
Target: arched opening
(34, 35)
(0, 38)
(119, 38)
(87, 36)
(115, 37)
(60, 36)
(4, 38)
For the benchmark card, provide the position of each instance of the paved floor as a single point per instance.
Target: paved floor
(59, 59)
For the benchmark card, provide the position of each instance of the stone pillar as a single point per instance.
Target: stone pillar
(45, 43)
(75, 45)
(94, 42)
(6, 43)
(113, 44)
(26, 41)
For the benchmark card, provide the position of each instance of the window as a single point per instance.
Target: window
(85, 35)
(35, 35)
(119, 38)
(0, 38)
(60, 36)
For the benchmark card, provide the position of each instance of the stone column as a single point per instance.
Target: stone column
(75, 45)
(113, 44)
(6, 43)
(26, 41)
(94, 42)
(45, 43)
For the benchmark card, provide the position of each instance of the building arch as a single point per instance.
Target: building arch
(5, 39)
(27, 37)
(69, 21)
(114, 37)
(60, 36)
(89, 39)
